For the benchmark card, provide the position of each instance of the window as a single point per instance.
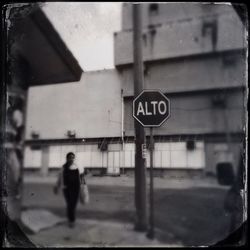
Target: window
(190, 145)
(153, 9)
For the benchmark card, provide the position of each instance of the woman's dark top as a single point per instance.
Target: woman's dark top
(70, 177)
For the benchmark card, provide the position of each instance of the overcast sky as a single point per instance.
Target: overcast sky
(87, 29)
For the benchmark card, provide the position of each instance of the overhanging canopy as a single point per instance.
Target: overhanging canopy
(39, 52)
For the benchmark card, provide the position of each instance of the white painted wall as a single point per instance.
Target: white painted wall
(166, 155)
(32, 158)
(91, 107)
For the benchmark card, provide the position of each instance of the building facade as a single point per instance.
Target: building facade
(194, 53)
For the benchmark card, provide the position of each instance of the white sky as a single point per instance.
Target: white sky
(87, 29)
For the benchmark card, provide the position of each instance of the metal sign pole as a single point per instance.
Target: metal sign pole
(150, 108)
(151, 206)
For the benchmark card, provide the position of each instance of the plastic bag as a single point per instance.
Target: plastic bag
(84, 193)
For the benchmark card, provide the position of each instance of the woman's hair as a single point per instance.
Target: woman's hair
(70, 154)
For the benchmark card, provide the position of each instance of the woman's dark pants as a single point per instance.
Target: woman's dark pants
(71, 195)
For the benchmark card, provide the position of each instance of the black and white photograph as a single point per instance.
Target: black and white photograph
(124, 124)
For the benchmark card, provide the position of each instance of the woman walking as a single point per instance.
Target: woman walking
(69, 179)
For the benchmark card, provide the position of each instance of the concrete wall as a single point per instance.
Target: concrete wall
(190, 37)
(91, 107)
(169, 12)
(190, 74)
(194, 114)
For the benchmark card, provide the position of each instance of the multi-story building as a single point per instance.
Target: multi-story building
(194, 53)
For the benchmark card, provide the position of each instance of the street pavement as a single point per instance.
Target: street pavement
(159, 182)
(187, 213)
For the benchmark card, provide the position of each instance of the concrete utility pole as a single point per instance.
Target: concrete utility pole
(140, 170)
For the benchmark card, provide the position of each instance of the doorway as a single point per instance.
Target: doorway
(113, 163)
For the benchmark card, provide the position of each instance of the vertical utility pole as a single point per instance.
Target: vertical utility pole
(140, 171)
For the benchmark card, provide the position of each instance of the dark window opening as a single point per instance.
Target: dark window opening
(35, 147)
(219, 100)
(190, 145)
(154, 8)
(225, 173)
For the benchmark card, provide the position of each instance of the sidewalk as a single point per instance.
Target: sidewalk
(159, 182)
(89, 233)
(111, 211)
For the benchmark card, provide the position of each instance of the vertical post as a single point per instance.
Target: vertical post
(45, 160)
(3, 169)
(122, 117)
(122, 131)
(151, 205)
(228, 138)
(25, 111)
(140, 171)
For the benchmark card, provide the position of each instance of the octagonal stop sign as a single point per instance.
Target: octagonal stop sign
(151, 108)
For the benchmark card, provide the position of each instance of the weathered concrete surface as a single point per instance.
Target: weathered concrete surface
(39, 219)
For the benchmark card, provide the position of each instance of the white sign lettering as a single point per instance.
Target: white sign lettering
(140, 109)
(162, 103)
(147, 112)
(152, 108)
